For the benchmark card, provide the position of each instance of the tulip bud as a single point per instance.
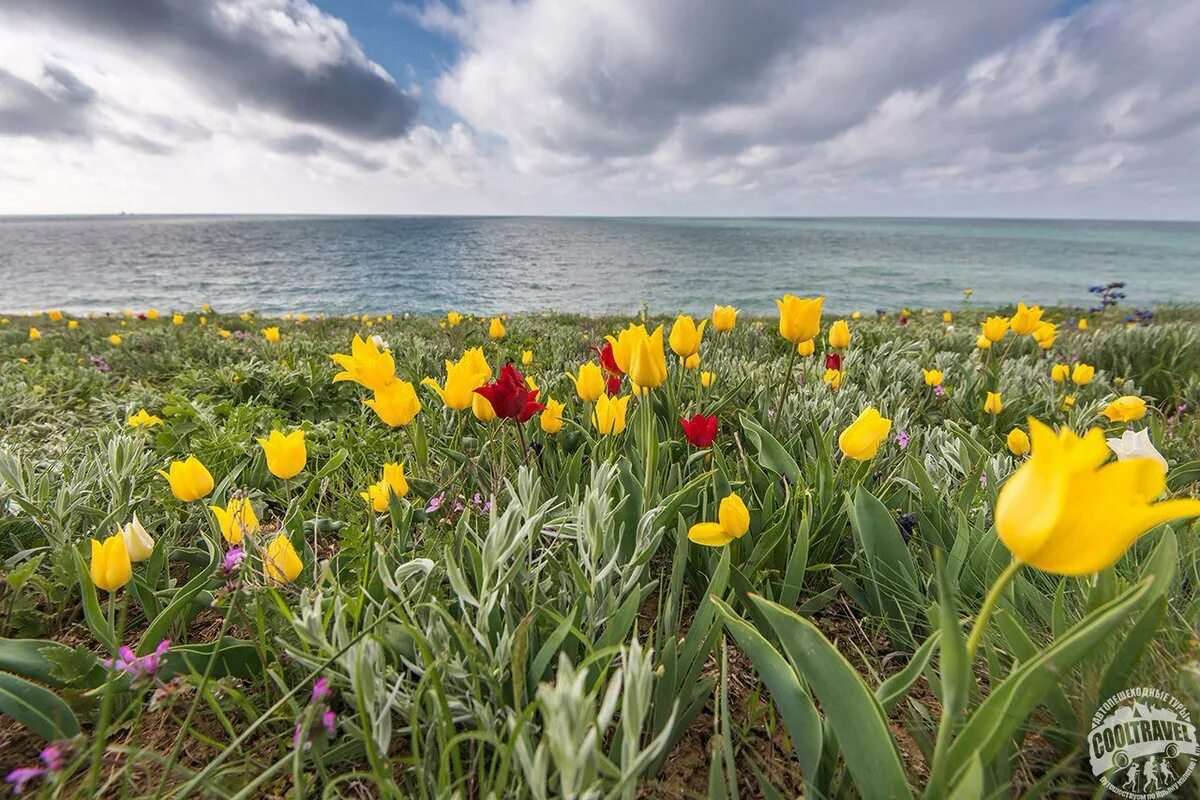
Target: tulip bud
(110, 568)
(839, 335)
(138, 542)
(1018, 442)
(861, 440)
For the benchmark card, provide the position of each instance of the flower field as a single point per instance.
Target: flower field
(888, 554)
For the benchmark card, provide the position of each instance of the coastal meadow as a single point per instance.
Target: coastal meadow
(894, 553)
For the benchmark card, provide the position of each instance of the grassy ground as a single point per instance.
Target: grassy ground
(530, 619)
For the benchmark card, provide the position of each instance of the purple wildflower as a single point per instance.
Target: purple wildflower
(139, 667)
(233, 560)
(939, 390)
(329, 723)
(435, 503)
(902, 439)
(321, 690)
(53, 757)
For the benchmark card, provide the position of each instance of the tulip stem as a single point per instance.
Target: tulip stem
(100, 734)
(989, 605)
(787, 380)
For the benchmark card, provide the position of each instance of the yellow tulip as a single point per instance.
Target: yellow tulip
(839, 335)
(947, 317)
(34, 334)
(73, 324)
(393, 483)
(463, 377)
(691, 362)
(1044, 334)
(551, 417)
(236, 520)
(1018, 442)
(1125, 409)
(623, 344)
(686, 336)
(1059, 373)
(608, 415)
(799, 318)
(933, 377)
(177, 319)
(806, 348)
(983, 343)
(834, 378)
(707, 379)
(1066, 512)
(1083, 374)
(365, 364)
(271, 334)
(527, 357)
(55, 316)
(286, 455)
(396, 404)
(1068, 402)
(115, 339)
(143, 419)
(733, 522)
(152, 313)
(993, 404)
(481, 407)
(190, 480)
(589, 384)
(138, 542)
(110, 568)
(473, 357)
(1083, 324)
(994, 328)
(861, 440)
(1026, 319)
(453, 318)
(224, 333)
(724, 318)
(496, 328)
(648, 362)
(856, 315)
(281, 564)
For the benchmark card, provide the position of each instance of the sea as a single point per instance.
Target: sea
(593, 265)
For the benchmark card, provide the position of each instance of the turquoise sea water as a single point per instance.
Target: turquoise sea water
(515, 264)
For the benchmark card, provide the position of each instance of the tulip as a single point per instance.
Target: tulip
(286, 455)
(833, 361)
(115, 339)
(526, 357)
(138, 543)
(799, 318)
(281, 564)
(55, 315)
(700, 430)
(947, 317)
(1066, 512)
(691, 362)
(143, 419)
(34, 334)
(608, 415)
(806, 348)
(236, 520)
(272, 334)
(648, 361)
(1044, 334)
(551, 417)
(453, 318)
(110, 568)
(190, 480)
(1026, 319)
(622, 345)
(392, 483)
(933, 377)
(1083, 374)
(177, 319)
(1059, 373)
(496, 328)
(993, 404)
(73, 324)
(686, 336)
(983, 343)
(365, 365)
(707, 379)
(608, 360)
(474, 358)
(834, 377)
(510, 396)
(1068, 402)
(152, 313)
(861, 440)
(994, 328)
(224, 333)
(733, 521)
(839, 335)
(724, 318)
(589, 384)
(1018, 442)
(1135, 444)
(1125, 409)
(396, 404)
(463, 377)
(482, 409)
(1083, 324)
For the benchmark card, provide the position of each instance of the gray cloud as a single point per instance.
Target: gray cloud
(307, 145)
(283, 56)
(59, 107)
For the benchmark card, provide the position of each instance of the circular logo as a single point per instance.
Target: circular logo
(1142, 744)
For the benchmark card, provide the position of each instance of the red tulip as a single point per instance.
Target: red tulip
(700, 430)
(608, 360)
(614, 385)
(510, 397)
(833, 361)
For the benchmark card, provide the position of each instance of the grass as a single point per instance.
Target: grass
(530, 619)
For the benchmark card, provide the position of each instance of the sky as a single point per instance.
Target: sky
(1020, 108)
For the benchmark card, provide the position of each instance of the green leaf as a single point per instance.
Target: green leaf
(1133, 646)
(854, 714)
(96, 620)
(892, 690)
(38, 709)
(955, 671)
(50, 662)
(179, 606)
(771, 454)
(892, 583)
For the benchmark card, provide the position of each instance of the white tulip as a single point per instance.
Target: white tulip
(380, 342)
(1136, 444)
(137, 541)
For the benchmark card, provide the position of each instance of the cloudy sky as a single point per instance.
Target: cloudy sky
(730, 107)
